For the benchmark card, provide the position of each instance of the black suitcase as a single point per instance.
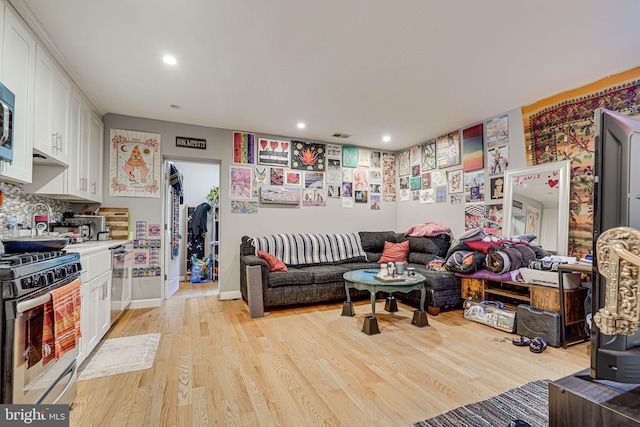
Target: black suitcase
(532, 322)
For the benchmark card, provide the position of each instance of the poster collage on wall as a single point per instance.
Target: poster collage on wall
(268, 171)
(146, 250)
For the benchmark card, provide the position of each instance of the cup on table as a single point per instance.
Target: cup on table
(399, 268)
(411, 272)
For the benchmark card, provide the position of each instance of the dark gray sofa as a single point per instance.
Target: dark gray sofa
(323, 282)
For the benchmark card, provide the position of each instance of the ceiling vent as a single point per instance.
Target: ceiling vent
(341, 135)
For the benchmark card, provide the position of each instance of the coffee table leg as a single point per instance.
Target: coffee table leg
(420, 316)
(347, 306)
(370, 326)
(391, 305)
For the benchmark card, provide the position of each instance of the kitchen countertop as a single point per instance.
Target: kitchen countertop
(85, 248)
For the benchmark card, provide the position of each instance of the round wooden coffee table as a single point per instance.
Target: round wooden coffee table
(368, 280)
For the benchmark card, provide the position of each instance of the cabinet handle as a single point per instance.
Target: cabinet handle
(59, 144)
(93, 188)
(54, 142)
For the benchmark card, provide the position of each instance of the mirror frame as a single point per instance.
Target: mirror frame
(564, 172)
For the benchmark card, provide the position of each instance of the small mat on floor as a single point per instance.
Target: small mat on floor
(529, 403)
(119, 355)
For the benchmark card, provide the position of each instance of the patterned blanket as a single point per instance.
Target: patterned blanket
(297, 249)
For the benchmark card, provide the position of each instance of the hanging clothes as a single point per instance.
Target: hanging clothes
(199, 221)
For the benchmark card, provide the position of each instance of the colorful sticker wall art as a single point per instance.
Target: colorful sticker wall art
(388, 177)
(428, 155)
(498, 131)
(472, 148)
(498, 158)
(273, 152)
(239, 182)
(280, 195)
(349, 157)
(404, 167)
(455, 181)
(246, 207)
(448, 149)
(276, 176)
(307, 156)
(292, 178)
(474, 186)
(244, 148)
(134, 168)
(313, 179)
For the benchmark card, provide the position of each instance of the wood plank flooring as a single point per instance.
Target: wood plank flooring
(307, 366)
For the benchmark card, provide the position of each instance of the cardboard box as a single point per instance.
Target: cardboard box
(499, 318)
(550, 278)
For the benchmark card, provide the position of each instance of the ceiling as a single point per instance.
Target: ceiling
(411, 69)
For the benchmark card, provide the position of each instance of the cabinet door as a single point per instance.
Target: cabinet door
(104, 303)
(95, 160)
(95, 293)
(85, 309)
(52, 93)
(18, 71)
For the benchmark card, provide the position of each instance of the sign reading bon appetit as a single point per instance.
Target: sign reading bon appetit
(182, 141)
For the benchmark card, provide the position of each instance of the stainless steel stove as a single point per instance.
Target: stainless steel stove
(26, 282)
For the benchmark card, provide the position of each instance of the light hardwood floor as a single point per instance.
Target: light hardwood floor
(307, 366)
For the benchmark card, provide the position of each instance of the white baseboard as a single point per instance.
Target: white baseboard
(146, 303)
(229, 295)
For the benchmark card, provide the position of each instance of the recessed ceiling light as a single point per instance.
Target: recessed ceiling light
(386, 138)
(301, 125)
(169, 60)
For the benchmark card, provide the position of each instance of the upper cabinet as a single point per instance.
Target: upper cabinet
(51, 140)
(17, 74)
(95, 157)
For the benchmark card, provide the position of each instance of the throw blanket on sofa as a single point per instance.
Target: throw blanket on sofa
(296, 249)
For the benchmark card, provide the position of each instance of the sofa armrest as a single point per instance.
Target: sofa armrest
(252, 260)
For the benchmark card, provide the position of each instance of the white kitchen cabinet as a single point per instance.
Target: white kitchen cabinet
(95, 291)
(51, 117)
(18, 74)
(96, 131)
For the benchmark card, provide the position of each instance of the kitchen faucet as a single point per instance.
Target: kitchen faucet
(35, 208)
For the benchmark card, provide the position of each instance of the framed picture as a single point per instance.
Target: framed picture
(454, 181)
(349, 157)
(472, 148)
(273, 152)
(449, 150)
(428, 155)
(307, 156)
(244, 148)
(280, 195)
(239, 182)
(292, 178)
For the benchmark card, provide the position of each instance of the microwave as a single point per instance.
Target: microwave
(7, 103)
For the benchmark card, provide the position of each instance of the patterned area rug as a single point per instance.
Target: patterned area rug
(529, 403)
(120, 355)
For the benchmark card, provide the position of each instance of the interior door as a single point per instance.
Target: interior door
(172, 263)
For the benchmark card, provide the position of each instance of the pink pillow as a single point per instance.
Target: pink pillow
(395, 252)
(274, 263)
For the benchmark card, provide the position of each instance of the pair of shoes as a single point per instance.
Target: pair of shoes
(538, 345)
(521, 342)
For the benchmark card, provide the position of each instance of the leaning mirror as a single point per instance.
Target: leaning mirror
(536, 201)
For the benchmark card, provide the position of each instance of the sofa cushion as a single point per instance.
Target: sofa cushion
(374, 256)
(294, 276)
(395, 252)
(274, 263)
(361, 266)
(373, 241)
(325, 273)
(437, 245)
(421, 258)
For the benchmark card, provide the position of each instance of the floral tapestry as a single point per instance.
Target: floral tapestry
(134, 169)
(562, 128)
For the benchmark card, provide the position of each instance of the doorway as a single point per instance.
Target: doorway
(198, 178)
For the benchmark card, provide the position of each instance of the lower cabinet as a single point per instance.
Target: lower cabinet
(95, 292)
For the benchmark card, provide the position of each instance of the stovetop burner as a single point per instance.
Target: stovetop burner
(28, 258)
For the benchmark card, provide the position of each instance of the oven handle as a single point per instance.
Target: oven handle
(72, 380)
(5, 122)
(23, 306)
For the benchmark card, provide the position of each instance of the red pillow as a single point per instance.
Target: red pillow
(395, 252)
(274, 263)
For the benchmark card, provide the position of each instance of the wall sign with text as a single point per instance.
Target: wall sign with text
(182, 141)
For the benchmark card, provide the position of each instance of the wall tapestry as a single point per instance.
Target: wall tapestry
(307, 156)
(498, 131)
(562, 128)
(244, 148)
(349, 157)
(134, 168)
(428, 155)
(448, 149)
(273, 152)
(472, 148)
(388, 177)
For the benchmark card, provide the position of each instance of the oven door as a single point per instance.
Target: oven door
(31, 380)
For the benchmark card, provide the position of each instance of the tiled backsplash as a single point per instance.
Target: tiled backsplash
(18, 204)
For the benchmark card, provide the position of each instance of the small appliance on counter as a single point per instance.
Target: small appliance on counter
(82, 229)
(97, 223)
